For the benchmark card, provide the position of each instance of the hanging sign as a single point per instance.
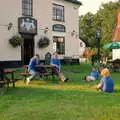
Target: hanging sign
(27, 25)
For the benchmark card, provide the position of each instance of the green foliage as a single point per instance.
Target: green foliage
(16, 41)
(87, 30)
(104, 19)
(43, 42)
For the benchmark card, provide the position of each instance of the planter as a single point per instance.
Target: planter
(16, 41)
(43, 42)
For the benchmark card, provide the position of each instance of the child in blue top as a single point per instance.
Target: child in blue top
(106, 84)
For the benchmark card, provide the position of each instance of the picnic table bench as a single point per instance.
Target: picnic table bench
(44, 71)
(7, 77)
(25, 73)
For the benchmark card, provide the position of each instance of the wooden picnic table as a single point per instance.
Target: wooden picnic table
(45, 70)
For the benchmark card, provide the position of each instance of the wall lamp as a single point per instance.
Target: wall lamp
(73, 33)
(9, 25)
(46, 30)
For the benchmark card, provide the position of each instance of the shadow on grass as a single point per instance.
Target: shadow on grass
(50, 90)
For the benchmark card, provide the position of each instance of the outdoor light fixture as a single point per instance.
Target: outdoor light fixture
(46, 30)
(73, 33)
(98, 37)
(98, 34)
(10, 26)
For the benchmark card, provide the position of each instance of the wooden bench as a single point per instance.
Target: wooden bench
(10, 71)
(25, 74)
(7, 78)
(44, 71)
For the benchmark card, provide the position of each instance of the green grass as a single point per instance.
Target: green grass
(53, 100)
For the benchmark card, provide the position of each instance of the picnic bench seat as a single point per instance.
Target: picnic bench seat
(25, 73)
(7, 78)
(44, 71)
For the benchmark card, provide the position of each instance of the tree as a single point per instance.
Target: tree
(87, 31)
(104, 19)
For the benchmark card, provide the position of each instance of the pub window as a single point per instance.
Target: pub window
(59, 44)
(27, 7)
(58, 12)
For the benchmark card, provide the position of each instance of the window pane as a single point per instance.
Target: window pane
(27, 7)
(58, 12)
(60, 44)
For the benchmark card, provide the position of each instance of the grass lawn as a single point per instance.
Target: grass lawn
(53, 100)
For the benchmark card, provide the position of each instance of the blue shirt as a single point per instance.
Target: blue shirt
(32, 64)
(95, 74)
(55, 62)
(108, 84)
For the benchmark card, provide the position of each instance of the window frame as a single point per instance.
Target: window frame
(54, 17)
(27, 8)
(61, 52)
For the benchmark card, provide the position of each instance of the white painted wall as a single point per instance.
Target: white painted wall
(43, 14)
(71, 23)
(9, 12)
(115, 54)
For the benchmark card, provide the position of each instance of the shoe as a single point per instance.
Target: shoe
(62, 80)
(66, 80)
(28, 81)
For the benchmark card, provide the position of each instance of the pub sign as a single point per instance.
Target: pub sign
(27, 25)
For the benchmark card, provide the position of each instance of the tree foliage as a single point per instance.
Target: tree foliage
(104, 19)
(87, 30)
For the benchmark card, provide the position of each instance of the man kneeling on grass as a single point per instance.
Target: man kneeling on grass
(55, 61)
(106, 84)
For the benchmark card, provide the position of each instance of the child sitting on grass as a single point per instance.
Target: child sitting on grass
(106, 84)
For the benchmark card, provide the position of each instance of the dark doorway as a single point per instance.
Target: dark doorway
(28, 49)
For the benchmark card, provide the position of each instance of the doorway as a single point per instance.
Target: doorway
(28, 49)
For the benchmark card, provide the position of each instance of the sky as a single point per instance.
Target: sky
(91, 5)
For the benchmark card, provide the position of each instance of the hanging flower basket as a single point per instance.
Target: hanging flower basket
(43, 42)
(16, 41)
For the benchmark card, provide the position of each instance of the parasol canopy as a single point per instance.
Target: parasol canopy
(112, 45)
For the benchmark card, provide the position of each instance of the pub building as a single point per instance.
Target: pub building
(46, 26)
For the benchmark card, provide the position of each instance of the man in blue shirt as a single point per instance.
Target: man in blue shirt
(32, 67)
(95, 74)
(55, 61)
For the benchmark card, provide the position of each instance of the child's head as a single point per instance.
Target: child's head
(36, 56)
(105, 72)
(55, 55)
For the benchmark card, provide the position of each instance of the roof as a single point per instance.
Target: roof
(74, 1)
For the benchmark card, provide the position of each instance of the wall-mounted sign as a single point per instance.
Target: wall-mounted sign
(27, 25)
(59, 28)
